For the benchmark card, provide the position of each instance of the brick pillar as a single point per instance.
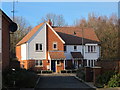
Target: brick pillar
(96, 73)
(88, 74)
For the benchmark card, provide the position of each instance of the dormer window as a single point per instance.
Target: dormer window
(55, 45)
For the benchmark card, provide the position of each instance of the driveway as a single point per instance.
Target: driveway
(60, 82)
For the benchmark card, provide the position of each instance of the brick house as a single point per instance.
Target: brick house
(5, 22)
(56, 48)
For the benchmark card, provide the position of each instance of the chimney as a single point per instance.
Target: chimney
(49, 22)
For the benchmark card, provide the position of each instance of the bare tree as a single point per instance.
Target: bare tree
(23, 29)
(57, 20)
(106, 29)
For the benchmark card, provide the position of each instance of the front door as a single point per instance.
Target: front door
(53, 65)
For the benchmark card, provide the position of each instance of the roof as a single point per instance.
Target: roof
(76, 55)
(30, 34)
(70, 35)
(57, 55)
(73, 35)
(5, 16)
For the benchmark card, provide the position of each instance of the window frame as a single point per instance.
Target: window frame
(91, 49)
(55, 43)
(39, 61)
(40, 47)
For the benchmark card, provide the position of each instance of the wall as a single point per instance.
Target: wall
(92, 55)
(39, 37)
(5, 42)
(18, 52)
(24, 51)
(51, 37)
(70, 48)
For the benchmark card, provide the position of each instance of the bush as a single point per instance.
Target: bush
(114, 81)
(103, 79)
(63, 71)
(22, 78)
(46, 71)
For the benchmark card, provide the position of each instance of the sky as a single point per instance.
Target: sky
(34, 11)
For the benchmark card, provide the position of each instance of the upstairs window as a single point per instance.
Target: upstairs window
(39, 47)
(65, 49)
(91, 48)
(55, 45)
(75, 48)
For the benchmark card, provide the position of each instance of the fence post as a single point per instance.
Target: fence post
(96, 72)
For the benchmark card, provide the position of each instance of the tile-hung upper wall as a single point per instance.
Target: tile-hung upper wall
(38, 38)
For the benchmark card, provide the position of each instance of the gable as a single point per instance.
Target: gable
(30, 34)
(53, 37)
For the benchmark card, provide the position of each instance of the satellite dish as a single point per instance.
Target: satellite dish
(13, 27)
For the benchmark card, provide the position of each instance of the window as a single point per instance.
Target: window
(39, 47)
(91, 63)
(75, 48)
(38, 63)
(94, 48)
(88, 48)
(65, 49)
(55, 46)
(91, 48)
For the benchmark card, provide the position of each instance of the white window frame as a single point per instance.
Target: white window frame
(56, 46)
(92, 48)
(38, 63)
(38, 47)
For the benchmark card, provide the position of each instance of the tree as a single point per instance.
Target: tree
(57, 20)
(23, 29)
(106, 29)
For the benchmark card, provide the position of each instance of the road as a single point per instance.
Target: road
(61, 82)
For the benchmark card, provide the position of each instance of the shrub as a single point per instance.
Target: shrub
(22, 78)
(46, 71)
(103, 79)
(63, 71)
(74, 71)
(114, 81)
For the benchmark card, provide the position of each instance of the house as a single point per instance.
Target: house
(5, 22)
(5, 27)
(56, 48)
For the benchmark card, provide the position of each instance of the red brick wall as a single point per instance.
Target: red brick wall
(18, 52)
(5, 42)
(53, 38)
(30, 64)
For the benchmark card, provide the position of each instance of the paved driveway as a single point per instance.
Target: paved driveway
(61, 82)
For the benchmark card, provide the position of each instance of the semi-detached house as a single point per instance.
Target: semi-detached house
(47, 47)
